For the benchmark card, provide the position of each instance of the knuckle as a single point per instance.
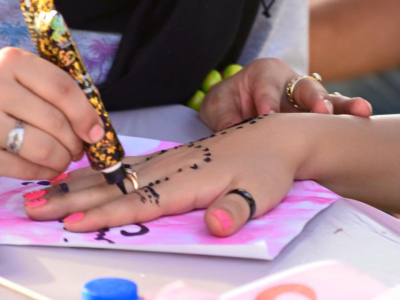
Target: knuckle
(76, 147)
(214, 102)
(32, 173)
(55, 119)
(268, 63)
(211, 107)
(10, 55)
(60, 126)
(45, 150)
(65, 86)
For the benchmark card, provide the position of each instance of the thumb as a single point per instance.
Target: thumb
(229, 213)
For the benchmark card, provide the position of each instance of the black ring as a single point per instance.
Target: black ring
(249, 199)
(64, 187)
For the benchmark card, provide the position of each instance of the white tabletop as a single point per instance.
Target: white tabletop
(348, 231)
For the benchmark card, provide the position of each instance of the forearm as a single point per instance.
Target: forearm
(355, 157)
(353, 37)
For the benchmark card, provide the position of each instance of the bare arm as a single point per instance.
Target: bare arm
(353, 37)
(355, 157)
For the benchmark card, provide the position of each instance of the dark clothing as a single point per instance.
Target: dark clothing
(168, 46)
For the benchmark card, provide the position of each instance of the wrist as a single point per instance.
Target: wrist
(291, 136)
(307, 142)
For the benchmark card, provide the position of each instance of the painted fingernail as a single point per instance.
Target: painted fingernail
(35, 194)
(96, 133)
(59, 178)
(36, 203)
(272, 111)
(224, 218)
(329, 106)
(74, 217)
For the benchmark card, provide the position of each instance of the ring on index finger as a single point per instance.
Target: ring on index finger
(292, 85)
(132, 176)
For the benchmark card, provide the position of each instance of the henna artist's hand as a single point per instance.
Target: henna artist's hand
(56, 114)
(260, 88)
(197, 175)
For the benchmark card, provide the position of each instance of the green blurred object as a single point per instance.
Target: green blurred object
(212, 79)
(232, 70)
(196, 101)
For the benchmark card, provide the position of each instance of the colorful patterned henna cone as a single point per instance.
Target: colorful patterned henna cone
(54, 43)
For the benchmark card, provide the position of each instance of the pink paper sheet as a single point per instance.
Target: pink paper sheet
(262, 238)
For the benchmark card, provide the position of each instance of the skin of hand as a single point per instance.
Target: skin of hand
(259, 88)
(197, 175)
(57, 116)
(353, 156)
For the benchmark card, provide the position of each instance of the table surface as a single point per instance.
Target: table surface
(348, 231)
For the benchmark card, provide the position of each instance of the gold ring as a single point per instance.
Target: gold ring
(292, 84)
(132, 177)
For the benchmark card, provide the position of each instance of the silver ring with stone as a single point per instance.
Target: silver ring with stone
(15, 138)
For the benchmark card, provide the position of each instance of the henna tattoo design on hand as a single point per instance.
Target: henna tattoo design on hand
(252, 121)
(64, 187)
(150, 194)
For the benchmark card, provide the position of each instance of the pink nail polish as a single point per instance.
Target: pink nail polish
(59, 178)
(36, 203)
(224, 218)
(35, 194)
(272, 112)
(74, 217)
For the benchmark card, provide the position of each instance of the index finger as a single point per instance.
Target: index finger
(56, 87)
(310, 94)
